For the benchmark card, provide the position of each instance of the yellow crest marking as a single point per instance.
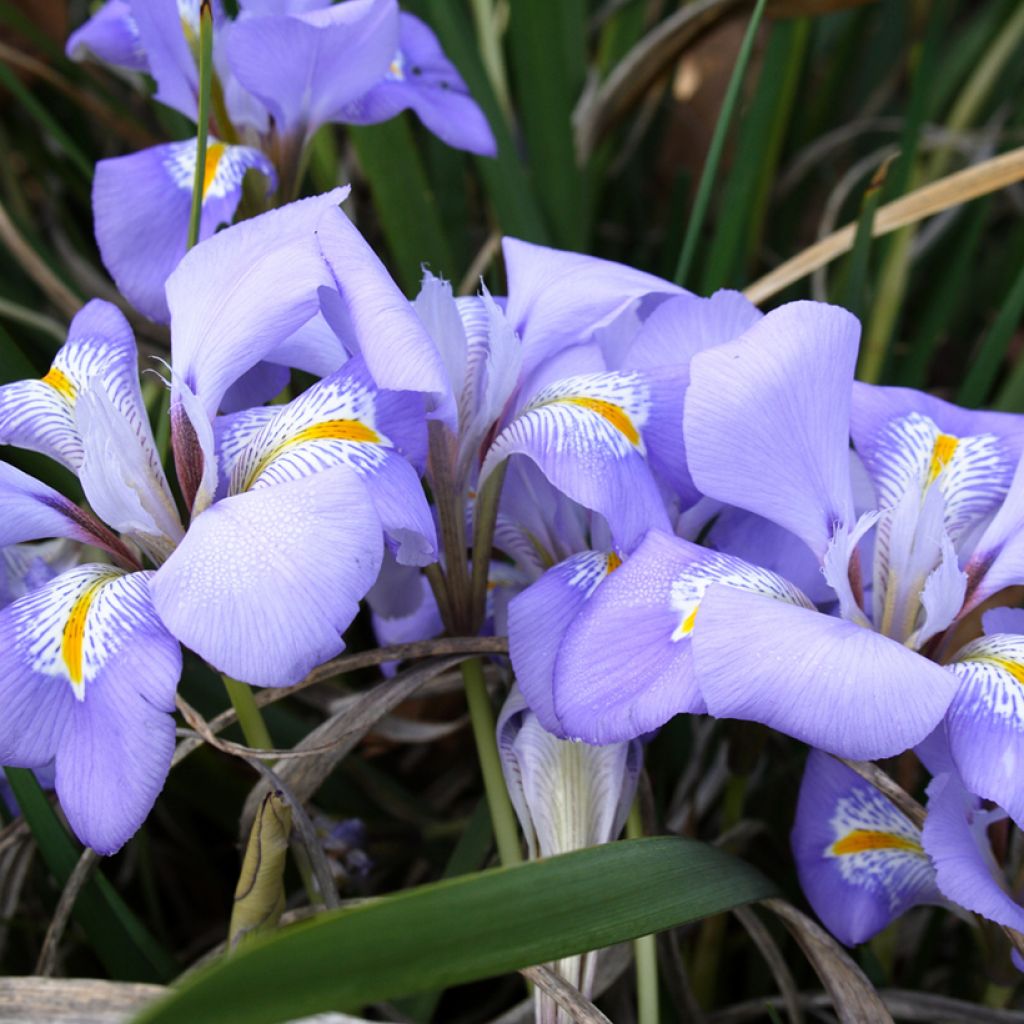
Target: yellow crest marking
(942, 452)
(614, 414)
(73, 638)
(214, 151)
(613, 562)
(862, 840)
(1013, 668)
(61, 383)
(329, 430)
(685, 628)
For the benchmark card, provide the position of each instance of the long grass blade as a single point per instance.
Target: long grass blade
(714, 156)
(127, 950)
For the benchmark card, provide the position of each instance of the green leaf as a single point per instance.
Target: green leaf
(710, 172)
(464, 929)
(120, 940)
(507, 181)
(546, 42)
(403, 200)
(744, 201)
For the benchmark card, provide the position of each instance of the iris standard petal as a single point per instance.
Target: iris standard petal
(767, 420)
(861, 862)
(40, 414)
(392, 339)
(832, 684)
(265, 582)
(585, 433)
(955, 837)
(169, 30)
(307, 67)
(686, 324)
(111, 36)
(626, 664)
(239, 294)
(141, 206)
(421, 78)
(90, 677)
(557, 298)
(985, 722)
(538, 619)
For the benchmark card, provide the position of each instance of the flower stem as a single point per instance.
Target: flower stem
(503, 819)
(644, 948)
(254, 729)
(205, 80)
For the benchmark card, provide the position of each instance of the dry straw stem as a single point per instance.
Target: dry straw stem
(853, 996)
(568, 998)
(953, 190)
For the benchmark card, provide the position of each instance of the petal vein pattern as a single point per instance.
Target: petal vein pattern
(985, 722)
(876, 847)
(861, 862)
(71, 628)
(973, 473)
(333, 422)
(40, 414)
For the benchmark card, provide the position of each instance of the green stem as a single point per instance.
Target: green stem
(644, 948)
(503, 819)
(205, 78)
(254, 729)
(485, 516)
(700, 203)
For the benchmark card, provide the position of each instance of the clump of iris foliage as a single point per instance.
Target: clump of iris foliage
(502, 429)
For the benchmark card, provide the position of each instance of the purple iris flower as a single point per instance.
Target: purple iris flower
(422, 79)
(862, 863)
(767, 427)
(282, 70)
(111, 36)
(286, 535)
(141, 205)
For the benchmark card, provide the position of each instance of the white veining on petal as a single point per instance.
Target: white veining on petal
(225, 166)
(333, 423)
(689, 588)
(973, 473)
(620, 401)
(877, 848)
(70, 628)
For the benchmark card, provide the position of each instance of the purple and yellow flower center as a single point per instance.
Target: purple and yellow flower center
(354, 431)
(864, 840)
(614, 414)
(943, 450)
(61, 383)
(73, 638)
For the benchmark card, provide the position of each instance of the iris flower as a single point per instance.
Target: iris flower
(862, 863)
(286, 538)
(767, 427)
(281, 71)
